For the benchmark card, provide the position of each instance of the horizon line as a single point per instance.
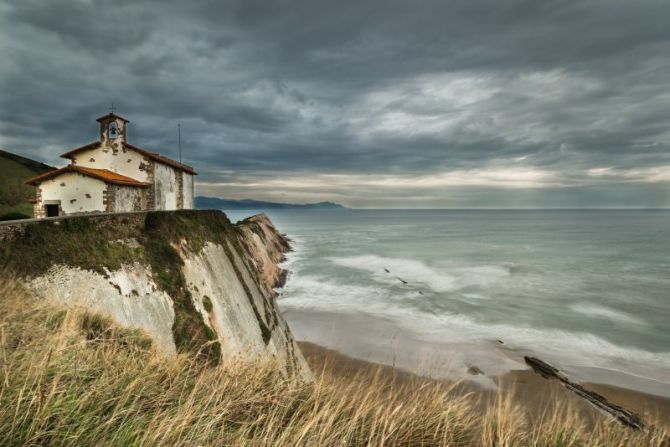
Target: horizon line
(464, 209)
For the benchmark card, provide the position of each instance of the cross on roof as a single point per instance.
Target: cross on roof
(111, 109)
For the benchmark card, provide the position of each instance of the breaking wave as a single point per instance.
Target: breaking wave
(391, 270)
(323, 294)
(602, 312)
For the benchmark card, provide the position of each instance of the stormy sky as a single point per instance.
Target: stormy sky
(369, 103)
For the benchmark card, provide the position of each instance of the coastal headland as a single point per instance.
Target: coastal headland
(170, 319)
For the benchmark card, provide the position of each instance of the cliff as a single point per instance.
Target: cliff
(266, 247)
(193, 281)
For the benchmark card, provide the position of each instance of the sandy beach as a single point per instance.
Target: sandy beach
(528, 389)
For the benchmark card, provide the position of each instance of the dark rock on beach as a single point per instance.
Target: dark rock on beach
(475, 371)
(618, 412)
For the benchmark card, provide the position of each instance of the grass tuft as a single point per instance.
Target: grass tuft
(207, 303)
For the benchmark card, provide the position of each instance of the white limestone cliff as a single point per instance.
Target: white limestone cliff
(190, 279)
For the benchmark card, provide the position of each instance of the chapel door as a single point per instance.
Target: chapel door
(51, 210)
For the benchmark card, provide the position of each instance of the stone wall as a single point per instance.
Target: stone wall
(180, 189)
(38, 207)
(109, 198)
(9, 230)
(129, 198)
(149, 167)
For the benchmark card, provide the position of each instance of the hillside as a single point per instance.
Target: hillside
(14, 193)
(249, 204)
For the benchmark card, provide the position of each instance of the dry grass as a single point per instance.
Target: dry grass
(72, 378)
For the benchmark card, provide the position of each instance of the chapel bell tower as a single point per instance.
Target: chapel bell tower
(112, 129)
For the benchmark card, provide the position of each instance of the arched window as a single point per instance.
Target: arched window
(113, 130)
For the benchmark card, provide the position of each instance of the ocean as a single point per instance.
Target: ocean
(438, 291)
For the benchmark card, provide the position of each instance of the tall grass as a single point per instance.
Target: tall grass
(73, 378)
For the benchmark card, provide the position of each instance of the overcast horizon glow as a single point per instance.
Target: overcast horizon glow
(371, 104)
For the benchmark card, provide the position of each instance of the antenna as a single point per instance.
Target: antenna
(179, 138)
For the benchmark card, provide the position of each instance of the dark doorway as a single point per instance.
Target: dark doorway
(52, 210)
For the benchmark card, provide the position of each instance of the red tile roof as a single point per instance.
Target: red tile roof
(153, 155)
(100, 174)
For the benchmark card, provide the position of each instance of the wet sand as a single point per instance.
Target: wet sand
(531, 391)
(407, 346)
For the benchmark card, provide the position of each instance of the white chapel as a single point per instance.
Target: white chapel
(113, 176)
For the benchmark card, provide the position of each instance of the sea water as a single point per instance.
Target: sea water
(442, 290)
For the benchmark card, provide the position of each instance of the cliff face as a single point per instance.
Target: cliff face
(267, 248)
(192, 280)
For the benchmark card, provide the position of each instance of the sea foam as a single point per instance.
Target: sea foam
(602, 312)
(417, 272)
(324, 294)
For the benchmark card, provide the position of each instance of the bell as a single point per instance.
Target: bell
(113, 130)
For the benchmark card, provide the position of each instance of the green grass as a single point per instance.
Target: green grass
(192, 229)
(14, 193)
(71, 378)
(76, 241)
(16, 212)
(207, 303)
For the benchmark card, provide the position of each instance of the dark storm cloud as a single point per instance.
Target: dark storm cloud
(438, 103)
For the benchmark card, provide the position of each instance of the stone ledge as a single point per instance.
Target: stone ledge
(12, 228)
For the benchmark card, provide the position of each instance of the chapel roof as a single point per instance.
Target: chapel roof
(100, 174)
(111, 115)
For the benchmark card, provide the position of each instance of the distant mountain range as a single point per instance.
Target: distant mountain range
(248, 204)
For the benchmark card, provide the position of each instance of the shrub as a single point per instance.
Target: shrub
(207, 303)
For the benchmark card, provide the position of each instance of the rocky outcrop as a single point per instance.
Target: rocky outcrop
(621, 414)
(267, 248)
(193, 281)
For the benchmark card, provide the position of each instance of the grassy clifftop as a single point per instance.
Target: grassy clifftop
(100, 243)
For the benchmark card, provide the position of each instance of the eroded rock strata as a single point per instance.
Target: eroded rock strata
(192, 280)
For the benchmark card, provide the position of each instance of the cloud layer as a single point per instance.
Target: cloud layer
(375, 103)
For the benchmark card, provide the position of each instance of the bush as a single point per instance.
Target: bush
(207, 303)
